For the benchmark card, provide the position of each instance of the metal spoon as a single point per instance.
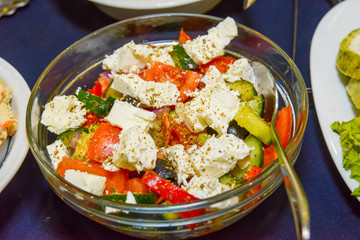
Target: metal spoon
(295, 192)
(248, 3)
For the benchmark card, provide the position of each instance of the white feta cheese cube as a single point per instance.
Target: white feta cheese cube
(109, 210)
(214, 106)
(222, 107)
(204, 48)
(108, 165)
(63, 113)
(205, 187)
(130, 199)
(89, 182)
(213, 75)
(154, 94)
(240, 69)
(190, 113)
(125, 115)
(124, 60)
(219, 155)
(57, 150)
(181, 161)
(135, 151)
(134, 57)
(155, 53)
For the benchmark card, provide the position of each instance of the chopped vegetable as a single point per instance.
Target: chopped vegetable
(256, 157)
(169, 191)
(103, 142)
(115, 181)
(186, 81)
(283, 127)
(245, 88)
(135, 185)
(221, 63)
(96, 90)
(165, 170)
(94, 103)
(181, 59)
(251, 121)
(183, 37)
(143, 198)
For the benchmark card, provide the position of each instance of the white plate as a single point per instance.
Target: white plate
(13, 152)
(331, 100)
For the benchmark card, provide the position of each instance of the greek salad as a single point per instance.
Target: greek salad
(165, 124)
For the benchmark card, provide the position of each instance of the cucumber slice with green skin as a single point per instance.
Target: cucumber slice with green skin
(111, 92)
(66, 136)
(229, 180)
(245, 88)
(255, 158)
(257, 104)
(181, 59)
(170, 216)
(83, 142)
(146, 198)
(251, 121)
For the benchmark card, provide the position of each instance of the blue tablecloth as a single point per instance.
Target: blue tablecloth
(29, 209)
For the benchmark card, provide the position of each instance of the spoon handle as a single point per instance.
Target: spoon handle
(294, 189)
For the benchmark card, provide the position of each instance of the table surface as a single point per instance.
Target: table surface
(37, 33)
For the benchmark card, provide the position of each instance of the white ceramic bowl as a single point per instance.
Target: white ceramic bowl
(14, 150)
(122, 9)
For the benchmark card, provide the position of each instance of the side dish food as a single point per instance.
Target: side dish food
(8, 123)
(165, 124)
(348, 63)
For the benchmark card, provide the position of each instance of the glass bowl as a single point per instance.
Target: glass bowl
(80, 64)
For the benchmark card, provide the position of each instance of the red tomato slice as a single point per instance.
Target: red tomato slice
(186, 81)
(190, 82)
(82, 166)
(104, 82)
(96, 90)
(92, 118)
(183, 37)
(176, 133)
(116, 182)
(135, 185)
(252, 172)
(104, 141)
(160, 72)
(221, 63)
